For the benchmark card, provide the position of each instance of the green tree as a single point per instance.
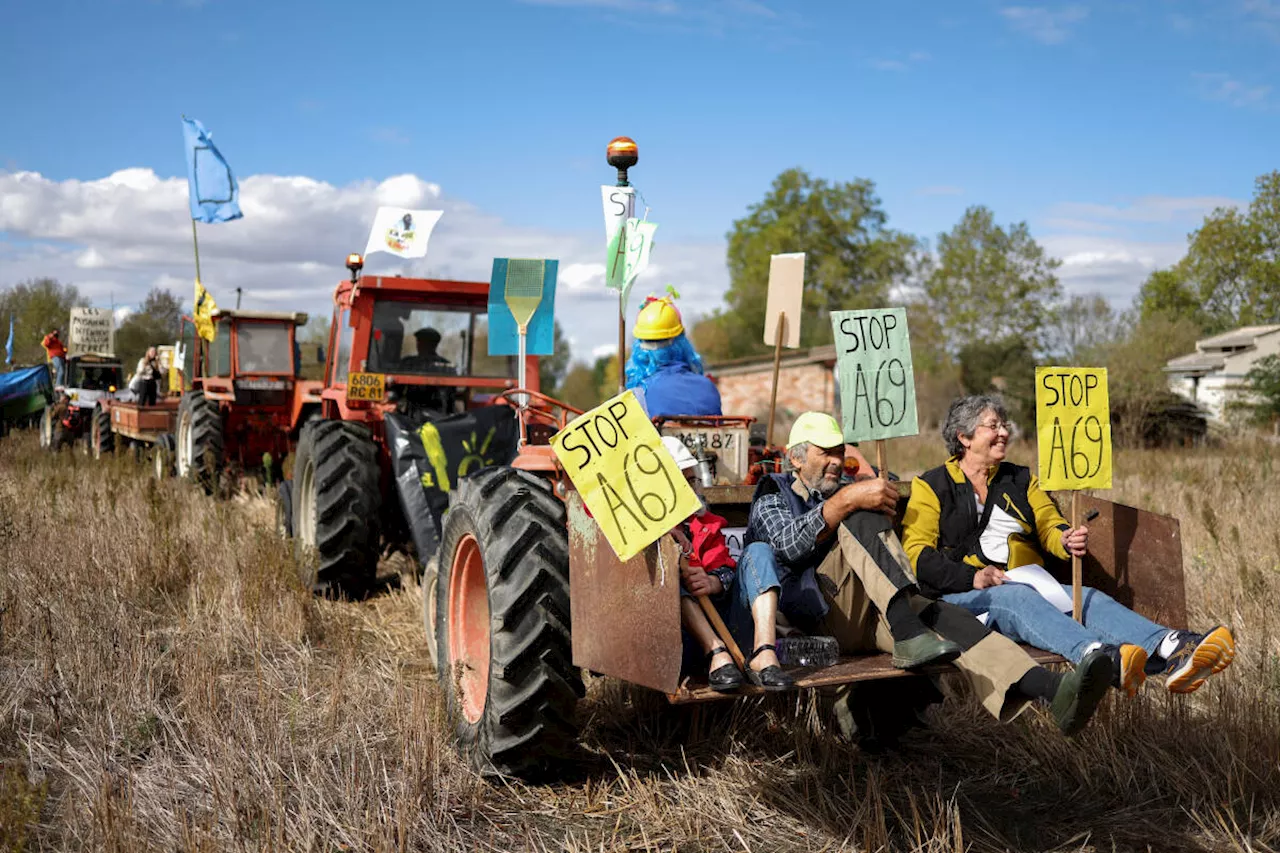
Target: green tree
(990, 283)
(1080, 329)
(1006, 366)
(1230, 275)
(853, 259)
(1264, 381)
(1137, 386)
(553, 368)
(36, 306)
(156, 323)
(580, 388)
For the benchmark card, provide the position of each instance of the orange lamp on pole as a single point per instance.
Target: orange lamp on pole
(622, 154)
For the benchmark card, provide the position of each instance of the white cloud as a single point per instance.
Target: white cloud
(1149, 209)
(942, 189)
(915, 57)
(603, 350)
(119, 236)
(1050, 26)
(1226, 89)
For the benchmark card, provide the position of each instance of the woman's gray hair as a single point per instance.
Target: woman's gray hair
(962, 418)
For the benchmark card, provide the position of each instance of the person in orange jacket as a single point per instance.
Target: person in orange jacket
(745, 594)
(57, 352)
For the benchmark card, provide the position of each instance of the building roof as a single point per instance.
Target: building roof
(1196, 362)
(790, 358)
(1241, 337)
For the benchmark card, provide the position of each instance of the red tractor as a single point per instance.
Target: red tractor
(245, 401)
(417, 419)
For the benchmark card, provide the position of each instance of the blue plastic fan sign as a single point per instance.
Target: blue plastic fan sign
(504, 337)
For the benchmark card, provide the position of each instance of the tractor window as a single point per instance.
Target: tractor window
(220, 350)
(264, 348)
(342, 358)
(409, 337)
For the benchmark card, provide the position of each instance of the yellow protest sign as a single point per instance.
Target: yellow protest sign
(627, 479)
(1073, 423)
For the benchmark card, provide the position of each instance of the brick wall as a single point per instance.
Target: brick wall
(801, 388)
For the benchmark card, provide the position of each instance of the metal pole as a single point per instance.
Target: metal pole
(238, 293)
(1077, 567)
(195, 241)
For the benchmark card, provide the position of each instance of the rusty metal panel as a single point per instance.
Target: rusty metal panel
(626, 616)
(1135, 556)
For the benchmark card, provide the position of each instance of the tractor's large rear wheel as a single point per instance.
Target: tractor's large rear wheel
(502, 623)
(199, 440)
(101, 439)
(336, 506)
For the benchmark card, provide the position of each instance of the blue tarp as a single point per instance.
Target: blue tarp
(25, 382)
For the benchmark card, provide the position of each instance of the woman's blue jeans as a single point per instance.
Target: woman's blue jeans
(757, 573)
(1023, 615)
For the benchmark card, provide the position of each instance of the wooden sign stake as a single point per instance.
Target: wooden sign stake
(880, 462)
(722, 630)
(777, 360)
(1077, 566)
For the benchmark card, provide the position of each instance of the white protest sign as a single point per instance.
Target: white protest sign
(92, 330)
(619, 206)
(786, 295)
(877, 384)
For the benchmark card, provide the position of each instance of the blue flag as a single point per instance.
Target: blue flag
(211, 187)
(8, 347)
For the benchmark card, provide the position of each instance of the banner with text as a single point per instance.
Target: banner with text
(877, 384)
(92, 330)
(1073, 425)
(629, 482)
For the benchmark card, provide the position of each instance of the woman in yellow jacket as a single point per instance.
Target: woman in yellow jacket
(976, 518)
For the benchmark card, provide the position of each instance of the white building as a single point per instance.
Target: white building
(1214, 374)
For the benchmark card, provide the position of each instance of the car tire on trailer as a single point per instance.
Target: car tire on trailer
(502, 623)
(337, 503)
(199, 440)
(101, 439)
(162, 456)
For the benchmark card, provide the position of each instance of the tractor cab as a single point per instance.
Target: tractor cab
(416, 347)
(90, 377)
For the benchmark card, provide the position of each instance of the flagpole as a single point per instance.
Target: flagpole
(195, 241)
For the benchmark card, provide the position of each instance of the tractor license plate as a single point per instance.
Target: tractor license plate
(367, 386)
(715, 439)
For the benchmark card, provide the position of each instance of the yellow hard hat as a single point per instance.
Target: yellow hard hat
(816, 428)
(658, 320)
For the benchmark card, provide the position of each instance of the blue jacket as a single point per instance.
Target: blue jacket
(677, 390)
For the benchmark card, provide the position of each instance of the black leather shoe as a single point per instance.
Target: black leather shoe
(726, 679)
(922, 649)
(1080, 692)
(771, 677)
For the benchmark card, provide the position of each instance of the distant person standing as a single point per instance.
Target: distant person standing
(146, 376)
(57, 352)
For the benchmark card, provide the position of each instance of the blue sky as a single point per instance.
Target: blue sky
(1111, 127)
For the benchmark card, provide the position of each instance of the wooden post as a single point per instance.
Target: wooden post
(1077, 566)
(777, 361)
(880, 462)
(622, 344)
(717, 624)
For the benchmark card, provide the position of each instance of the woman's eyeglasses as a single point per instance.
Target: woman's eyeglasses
(996, 426)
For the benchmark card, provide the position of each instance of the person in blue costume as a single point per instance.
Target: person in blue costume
(664, 369)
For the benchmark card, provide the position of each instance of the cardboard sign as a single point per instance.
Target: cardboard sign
(627, 479)
(91, 330)
(619, 206)
(370, 387)
(504, 335)
(628, 255)
(877, 383)
(1073, 424)
(786, 294)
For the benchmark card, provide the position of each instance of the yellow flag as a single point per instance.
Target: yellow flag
(1073, 422)
(203, 313)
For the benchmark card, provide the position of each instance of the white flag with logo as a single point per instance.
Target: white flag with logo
(402, 232)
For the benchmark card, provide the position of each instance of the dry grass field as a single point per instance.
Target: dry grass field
(166, 684)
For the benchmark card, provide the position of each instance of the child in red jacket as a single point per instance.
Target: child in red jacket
(745, 595)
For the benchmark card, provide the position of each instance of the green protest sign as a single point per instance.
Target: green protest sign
(628, 254)
(877, 384)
